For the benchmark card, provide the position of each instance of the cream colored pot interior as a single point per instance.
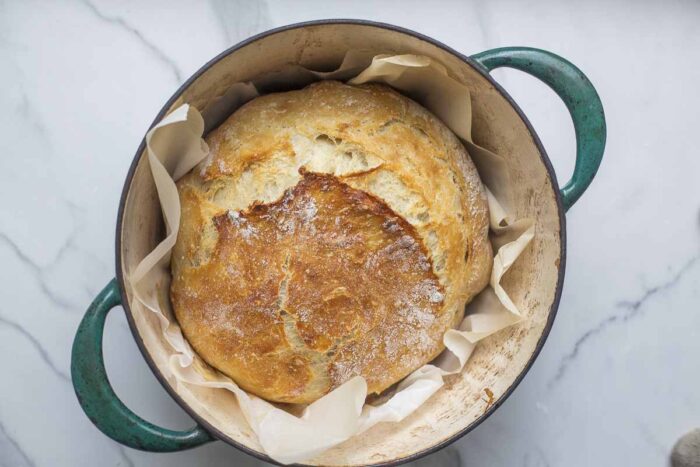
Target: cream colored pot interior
(532, 282)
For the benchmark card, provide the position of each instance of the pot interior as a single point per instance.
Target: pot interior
(532, 283)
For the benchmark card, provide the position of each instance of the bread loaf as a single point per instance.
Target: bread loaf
(333, 231)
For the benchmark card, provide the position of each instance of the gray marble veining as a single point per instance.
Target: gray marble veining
(625, 311)
(616, 383)
(121, 23)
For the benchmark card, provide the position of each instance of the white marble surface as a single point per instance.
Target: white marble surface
(617, 381)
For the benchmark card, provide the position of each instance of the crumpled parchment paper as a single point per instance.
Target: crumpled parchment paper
(175, 146)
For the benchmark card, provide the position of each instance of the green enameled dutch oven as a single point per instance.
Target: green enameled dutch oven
(534, 283)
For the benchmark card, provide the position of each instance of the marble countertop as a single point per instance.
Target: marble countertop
(617, 382)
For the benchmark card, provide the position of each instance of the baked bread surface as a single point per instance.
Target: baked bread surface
(333, 231)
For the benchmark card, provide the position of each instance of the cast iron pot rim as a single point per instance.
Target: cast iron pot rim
(543, 156)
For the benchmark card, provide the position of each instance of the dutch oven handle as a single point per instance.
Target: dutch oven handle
(97, 398)
(580, 98)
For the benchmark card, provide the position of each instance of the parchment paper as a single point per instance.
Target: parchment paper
(175, 146)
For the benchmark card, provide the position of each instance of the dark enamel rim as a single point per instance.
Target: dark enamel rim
(543, 155)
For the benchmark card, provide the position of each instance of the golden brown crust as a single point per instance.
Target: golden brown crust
(334, 231)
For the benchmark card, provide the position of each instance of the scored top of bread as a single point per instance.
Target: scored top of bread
(333, 231)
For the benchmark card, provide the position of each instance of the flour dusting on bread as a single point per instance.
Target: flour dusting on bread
(333, 231)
